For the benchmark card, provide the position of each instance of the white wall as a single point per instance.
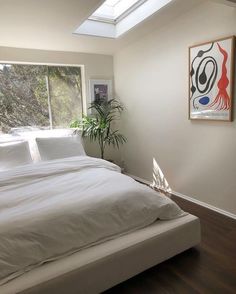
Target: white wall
(49, 25)
(96, 66)
(151, 78)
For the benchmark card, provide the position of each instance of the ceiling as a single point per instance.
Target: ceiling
(48, 24)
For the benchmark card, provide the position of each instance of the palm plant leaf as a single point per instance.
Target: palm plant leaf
(98, 127)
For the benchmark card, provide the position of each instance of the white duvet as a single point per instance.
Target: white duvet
(54, 208)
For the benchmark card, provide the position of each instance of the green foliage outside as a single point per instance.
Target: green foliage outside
(66, 94)
(24, 95)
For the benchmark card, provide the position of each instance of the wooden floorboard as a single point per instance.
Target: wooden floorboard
(207, 268)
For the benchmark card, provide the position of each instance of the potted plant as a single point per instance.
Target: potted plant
(98, 126)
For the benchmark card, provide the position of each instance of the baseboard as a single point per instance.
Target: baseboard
(139, 179)
(201, 203)
(188, 198)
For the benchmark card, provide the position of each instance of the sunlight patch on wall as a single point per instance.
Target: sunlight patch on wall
(159, 181)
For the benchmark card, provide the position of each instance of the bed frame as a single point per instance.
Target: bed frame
(102, 266)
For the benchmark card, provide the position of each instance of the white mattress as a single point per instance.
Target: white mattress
(102, 266)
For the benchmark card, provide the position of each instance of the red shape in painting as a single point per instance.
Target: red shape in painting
(222, 100)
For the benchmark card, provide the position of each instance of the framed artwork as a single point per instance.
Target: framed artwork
(100, 90)
(211, 80)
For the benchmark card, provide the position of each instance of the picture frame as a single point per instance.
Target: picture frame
(211, 80)
(100, 90)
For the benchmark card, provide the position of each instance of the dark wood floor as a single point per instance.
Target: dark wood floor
(207, 268)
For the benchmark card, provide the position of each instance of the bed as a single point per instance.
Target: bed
(102, 266)
(77, 225)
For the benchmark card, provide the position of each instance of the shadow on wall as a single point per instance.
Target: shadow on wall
(159, 181)
(92, 149)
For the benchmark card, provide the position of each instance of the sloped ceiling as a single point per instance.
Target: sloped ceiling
(49, 24)
(45, 24)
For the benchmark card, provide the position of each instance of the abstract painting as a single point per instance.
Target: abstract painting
(211, 81)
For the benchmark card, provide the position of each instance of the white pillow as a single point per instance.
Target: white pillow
(30, 136)
(14, 154)
(8, 138)
(54, 148)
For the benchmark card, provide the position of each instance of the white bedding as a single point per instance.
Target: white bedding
(54, 208)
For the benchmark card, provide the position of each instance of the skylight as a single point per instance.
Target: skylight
(113, 9)
(115, 17)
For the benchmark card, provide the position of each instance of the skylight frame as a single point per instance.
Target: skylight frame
(131, 18)
(118, 18)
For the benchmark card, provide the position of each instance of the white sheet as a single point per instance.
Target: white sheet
(54, 208)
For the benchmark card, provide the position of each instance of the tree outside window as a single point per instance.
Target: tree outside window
(39, 96)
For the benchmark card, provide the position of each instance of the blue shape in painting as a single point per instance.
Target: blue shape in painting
(204, 100)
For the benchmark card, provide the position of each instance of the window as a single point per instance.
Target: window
(39, 96)
(113, 10)
(116, 17)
